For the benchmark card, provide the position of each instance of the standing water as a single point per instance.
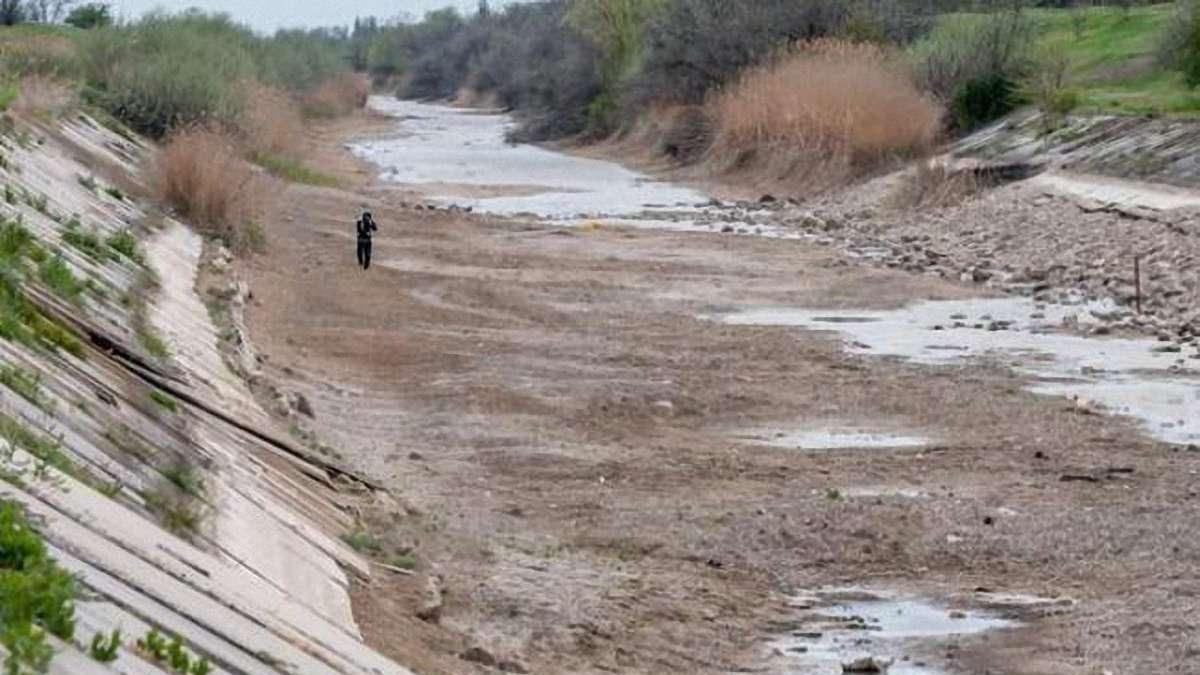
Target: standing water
(448, 149)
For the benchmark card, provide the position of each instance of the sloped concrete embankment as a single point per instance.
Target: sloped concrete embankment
(176, 505)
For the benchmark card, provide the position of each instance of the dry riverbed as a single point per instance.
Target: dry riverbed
(595, 471)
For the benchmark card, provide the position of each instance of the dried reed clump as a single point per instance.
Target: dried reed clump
(201, 173)
(336, 96)
(44, 95)
(270, 121)
(827, 104)
(934, 184)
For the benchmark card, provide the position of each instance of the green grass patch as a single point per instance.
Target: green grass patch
(126, 244)
(164, 400)
(363, 541)
(27, 385)
(37, 597)
(153, 343)
(47, 450)
(1112, 59)
(172, 654)
(105, 648)
(57, 275)
(8, 93)
(293, 170)
(87, 242)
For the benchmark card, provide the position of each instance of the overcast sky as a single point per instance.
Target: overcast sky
(267, 15)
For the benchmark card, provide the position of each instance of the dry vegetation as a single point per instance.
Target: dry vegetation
(337, 96)
(934, 184)
(271, 122)
(45, 95)
(823, 111)
(202, 174)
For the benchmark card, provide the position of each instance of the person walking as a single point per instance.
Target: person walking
(366, 227)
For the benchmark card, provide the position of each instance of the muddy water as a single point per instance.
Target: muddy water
(1123, 376)
(443, 146)
(831, 632)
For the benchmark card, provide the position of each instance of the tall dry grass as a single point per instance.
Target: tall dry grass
(824, 111)
(271, 122)
(45, 95)
(337, 96)
(201, 173)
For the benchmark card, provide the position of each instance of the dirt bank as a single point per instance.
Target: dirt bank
(582, 457)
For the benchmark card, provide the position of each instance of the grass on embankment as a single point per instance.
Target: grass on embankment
(293, 170)
(1112, 57)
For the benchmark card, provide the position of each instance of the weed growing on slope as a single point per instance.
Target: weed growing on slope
(178, 500)
(126, 244)
(164, 400)
(85, 241)
(172, 653)
(363, 541)
(36, 595)
(57, 275)
(47, 450)
(104, 648)
(27, 385)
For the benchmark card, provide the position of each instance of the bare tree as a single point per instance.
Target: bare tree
(12, 12)
(47, 11)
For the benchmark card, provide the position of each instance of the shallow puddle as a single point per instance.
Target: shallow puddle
(830, 632)
(1127, 376)
(832, 439)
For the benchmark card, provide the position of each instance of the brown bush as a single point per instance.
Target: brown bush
(826, 107)
(42, 95)
(934, 184)
(271, 121)
(200, 172)
(339, 95)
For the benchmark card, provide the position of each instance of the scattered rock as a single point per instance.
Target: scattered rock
(479, 655)
(867, 664)
(303, 406)
(432, 601)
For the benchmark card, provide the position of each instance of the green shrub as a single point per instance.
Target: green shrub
(57, 276)
(974, 63)
(85, 241)
(91, 15)
(104, 648)
(126, 243)
(172, 653)
(8, 93)
(26, 385)
(36, 595)
(363, 541)
(1180, 48)
(983, 99)
(15, 242)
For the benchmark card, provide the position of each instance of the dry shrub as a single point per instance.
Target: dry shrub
(825, 107)
(339, 95)
(933, 184)
(687, 135)
(271, 122)
(42, 95)
(201, 174)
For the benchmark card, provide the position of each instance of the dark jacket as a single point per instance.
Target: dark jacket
(366, 227)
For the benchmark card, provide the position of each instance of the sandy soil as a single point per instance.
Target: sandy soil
(571, 450)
